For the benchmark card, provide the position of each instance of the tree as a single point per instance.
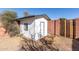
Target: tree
(10, 25)
(26, 13)
(62, 18)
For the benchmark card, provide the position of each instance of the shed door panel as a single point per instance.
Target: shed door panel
(42, 28)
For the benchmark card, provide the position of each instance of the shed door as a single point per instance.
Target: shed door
(42, 28)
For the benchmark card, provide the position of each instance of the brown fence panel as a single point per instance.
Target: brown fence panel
(68, 28)
(62, 27)
(51, 27)
(57, 27)
(76, 28)
(71, 29)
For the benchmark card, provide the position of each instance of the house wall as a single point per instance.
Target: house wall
(37, 27)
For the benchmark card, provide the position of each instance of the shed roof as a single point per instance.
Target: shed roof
(33, 16)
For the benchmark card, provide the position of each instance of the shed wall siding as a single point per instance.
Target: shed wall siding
(37, 27)
(30, 29)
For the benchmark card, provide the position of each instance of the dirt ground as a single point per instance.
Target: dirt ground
(63, 43)
(10, 44)
(15, 43)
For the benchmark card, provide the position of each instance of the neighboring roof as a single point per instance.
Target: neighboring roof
(34, 16)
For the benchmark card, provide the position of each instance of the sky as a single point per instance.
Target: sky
(53, 13)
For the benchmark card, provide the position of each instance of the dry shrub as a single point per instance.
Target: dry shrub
(48, 42)
(31, 45)
(43, 44)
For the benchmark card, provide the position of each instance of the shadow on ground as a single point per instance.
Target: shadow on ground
(75, 44)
